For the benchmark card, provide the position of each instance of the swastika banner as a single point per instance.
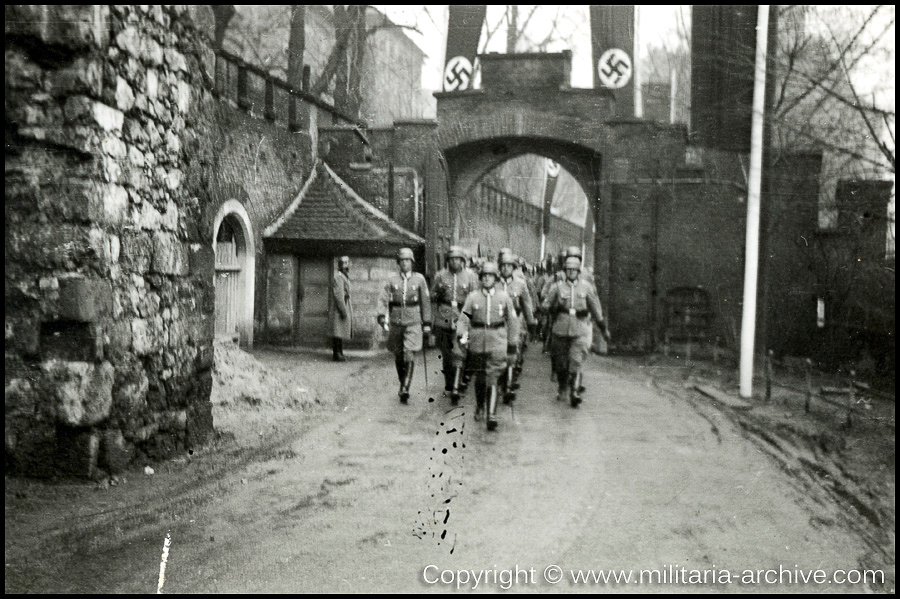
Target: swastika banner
(463, 33)
(612, 45)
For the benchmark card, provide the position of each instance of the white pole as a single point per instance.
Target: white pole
(636, 81)
(748, 323)
(673, 90)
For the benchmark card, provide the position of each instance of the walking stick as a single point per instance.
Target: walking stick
(425, 362)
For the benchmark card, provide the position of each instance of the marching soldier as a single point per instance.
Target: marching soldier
(342, 316)
(517, 290)
(404, 311)
(488, 326)
(450, 288)
(571, 303)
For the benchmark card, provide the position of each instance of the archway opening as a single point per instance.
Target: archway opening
(234, 274)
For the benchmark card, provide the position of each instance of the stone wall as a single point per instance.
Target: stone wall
(109, 280)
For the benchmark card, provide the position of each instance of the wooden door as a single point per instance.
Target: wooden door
(314, 294)
(228, 280)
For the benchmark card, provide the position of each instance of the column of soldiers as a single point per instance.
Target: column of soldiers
(482, 322)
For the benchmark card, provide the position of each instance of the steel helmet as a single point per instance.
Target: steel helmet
(573, 250)
(573, 262)
(456, 252)
(405, 254)
(488, 268)
(508, 258)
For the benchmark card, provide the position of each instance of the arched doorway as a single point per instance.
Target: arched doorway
(235, 272)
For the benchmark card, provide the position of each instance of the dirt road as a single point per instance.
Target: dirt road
(372, 496)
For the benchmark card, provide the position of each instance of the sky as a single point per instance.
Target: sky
(655, 23)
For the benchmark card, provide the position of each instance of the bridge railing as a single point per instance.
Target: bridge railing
(266, 96)
(494, 201)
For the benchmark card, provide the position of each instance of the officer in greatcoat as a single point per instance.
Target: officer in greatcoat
(342, 315)
(404, 311)
(571, 304)
(449, 290)
(488, 325)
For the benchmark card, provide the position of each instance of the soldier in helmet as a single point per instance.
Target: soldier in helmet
(572, 303)
(404, 311)
(517, 290)
(450, 288)
(488, 326)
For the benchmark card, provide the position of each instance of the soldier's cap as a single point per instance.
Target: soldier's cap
(504, 251)
(573, 262)
(405, 254)
(573, 251)
(343, 259)
(456, 251)
(488, 268)
(508, 258)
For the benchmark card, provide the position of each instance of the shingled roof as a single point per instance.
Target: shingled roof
(327, 209)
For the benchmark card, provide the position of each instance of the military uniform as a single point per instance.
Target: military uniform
(517, 290)
(448, 291)
(489, 323)
(572, 304)
(405, 305)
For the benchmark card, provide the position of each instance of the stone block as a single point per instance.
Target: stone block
(175, 60)
(109, 119)
(72, 26)
(84, 300)
(22, 73)
(82, 76)
(81, 391)
(170, 255)
(117, 339)
(173, 420)
(113, 205)
(137, 251)
(147, 335)
(113, 146)
(152, 84)
(124, 95)
(19, 397)
(115, 452)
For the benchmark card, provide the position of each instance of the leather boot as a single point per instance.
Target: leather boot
(562, 390)
(455, 393)
(448, 379)
(479, 400)
(509, 394)
(401, 375)
(409, 368)
(573, 388)
(337, 349)
(492, 407)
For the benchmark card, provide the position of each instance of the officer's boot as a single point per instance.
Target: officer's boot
(492, 407)
(515, 371)
(562, 382)
(479, 400)
(337, 349)
(520, 359)
(574, 381)
(409, 368)
(401, 375)
(509, 394)
(466, 377)
(455, 393)
(448, 377)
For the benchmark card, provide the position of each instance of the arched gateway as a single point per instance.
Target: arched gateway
(619, 163)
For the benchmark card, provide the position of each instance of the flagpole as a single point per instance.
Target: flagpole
(751, 264)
